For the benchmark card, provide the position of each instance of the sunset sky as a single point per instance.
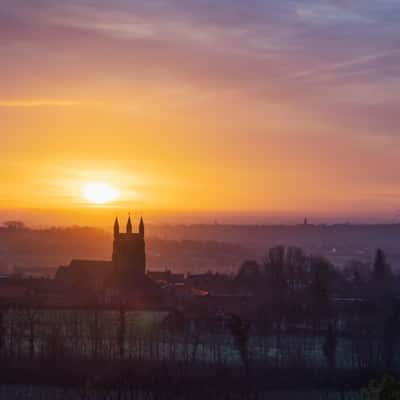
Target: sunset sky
(267, 108)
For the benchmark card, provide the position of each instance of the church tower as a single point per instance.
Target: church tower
(129, 258)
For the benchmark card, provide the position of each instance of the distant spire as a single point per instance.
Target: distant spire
(116, 227)
(141, 226)
(129, 225)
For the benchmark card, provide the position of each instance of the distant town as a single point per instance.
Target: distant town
(315, 303)
(192, 248)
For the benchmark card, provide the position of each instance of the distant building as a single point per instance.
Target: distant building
(125, 275)
(166, 276)
(47, 293)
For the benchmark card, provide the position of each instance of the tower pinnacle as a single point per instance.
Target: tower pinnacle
(129, 225)
(141, 227)
(116, 227)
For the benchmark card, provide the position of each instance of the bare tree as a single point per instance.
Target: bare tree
(121, 335)
(381, 269)
(240, 331)
(329, 347)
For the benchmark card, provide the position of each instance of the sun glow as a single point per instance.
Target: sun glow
(99, 193)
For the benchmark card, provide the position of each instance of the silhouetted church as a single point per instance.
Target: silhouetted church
(125, 273)
(129, 255)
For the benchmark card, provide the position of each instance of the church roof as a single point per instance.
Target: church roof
(99, 274)
(90, 273)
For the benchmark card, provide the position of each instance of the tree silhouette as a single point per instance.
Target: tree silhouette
(121, 335)
(386, 389)
(250, 276)
(240, 331)
(381, 269)
(319, 301)
(330, 347)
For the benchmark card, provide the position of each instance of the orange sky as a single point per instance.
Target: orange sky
(187, 114)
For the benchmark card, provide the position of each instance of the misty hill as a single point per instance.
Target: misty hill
(196, 248)
(339, 242)
(44, 250)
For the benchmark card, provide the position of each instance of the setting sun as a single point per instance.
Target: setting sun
(99, 193)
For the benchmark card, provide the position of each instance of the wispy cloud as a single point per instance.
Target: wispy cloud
(46, 103)
(330, 13)
(321, 72)
(280, 51)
